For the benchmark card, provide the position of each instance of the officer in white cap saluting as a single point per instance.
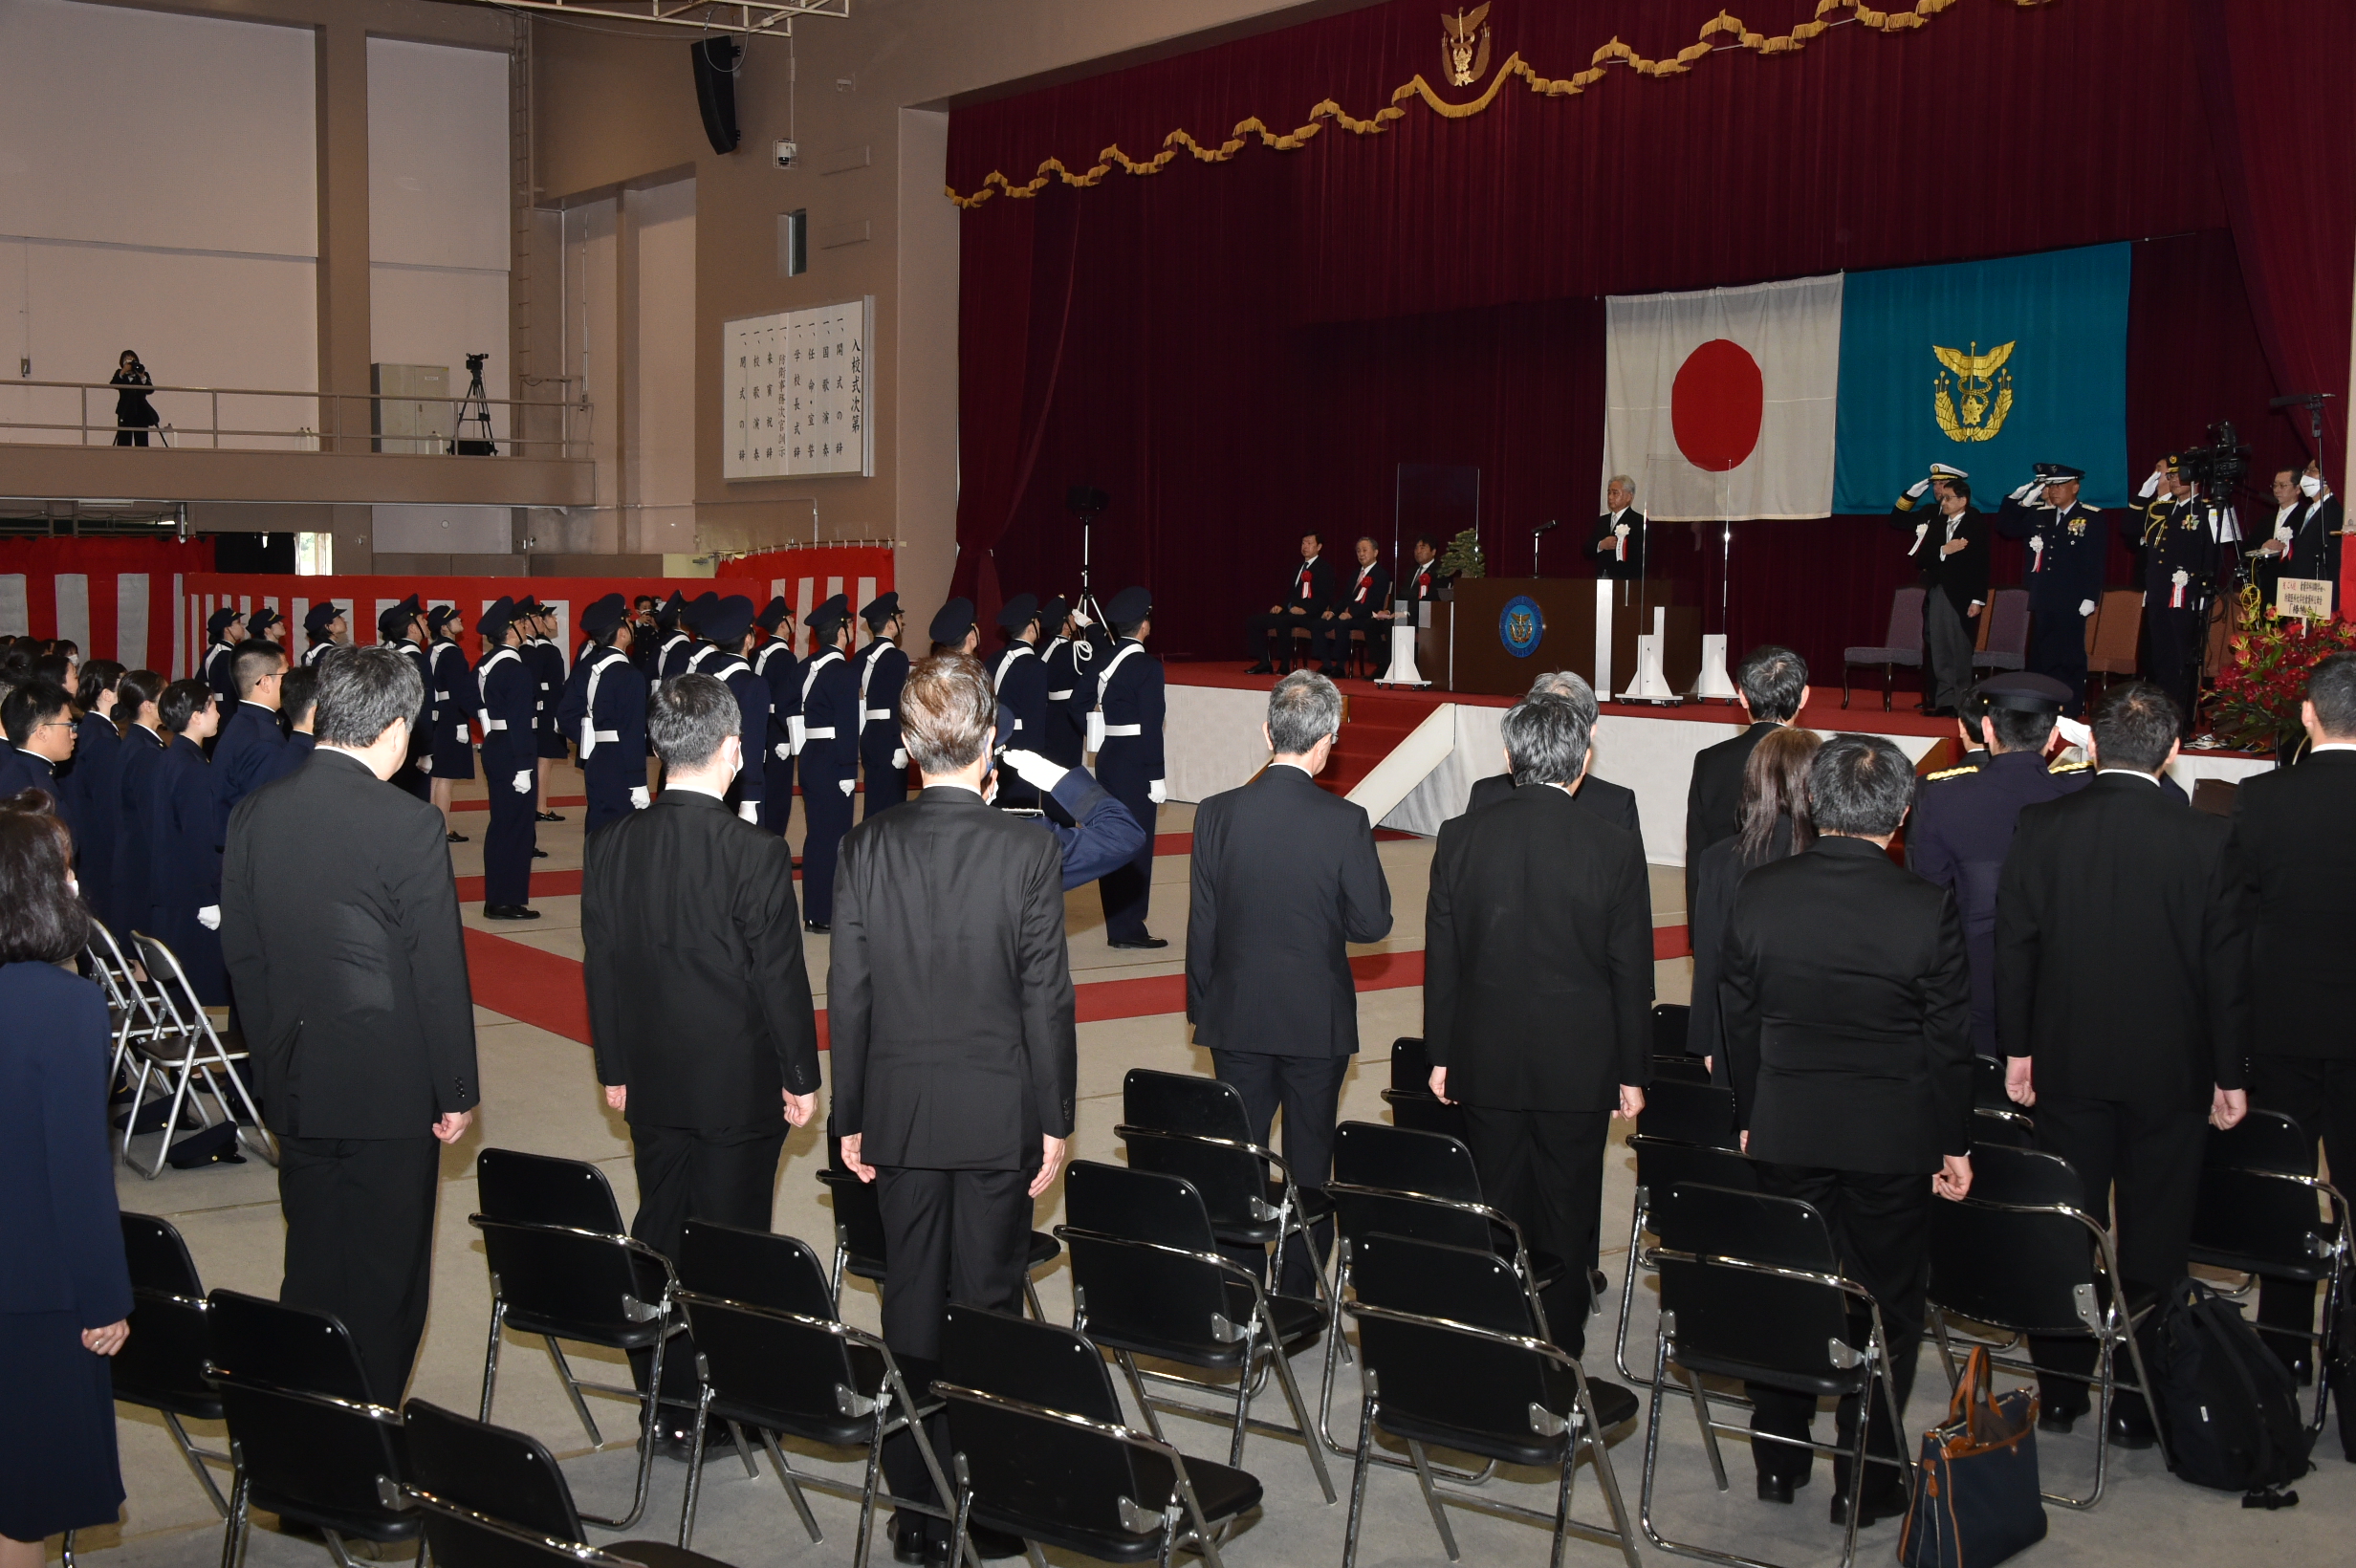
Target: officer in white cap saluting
(2069, 545)
(1950, 556)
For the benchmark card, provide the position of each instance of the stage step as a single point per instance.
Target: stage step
(1373, 726)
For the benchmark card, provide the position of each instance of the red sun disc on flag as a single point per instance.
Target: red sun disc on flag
(1715, 403)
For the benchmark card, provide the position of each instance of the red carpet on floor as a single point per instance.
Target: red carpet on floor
(550, 804)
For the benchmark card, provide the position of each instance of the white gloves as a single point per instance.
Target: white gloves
(848, 785)
(640, 800)
(1158, 791)
(794, 732)
(899, 758)
(2023, 493)
(425, 764)
(1916, 490)
(523, 783)
(1033, 769)
(785, 751)
(2086, 606)
(1080, 618)
(2151, 488)
(209, 916)
(1920, 531)
(750, 811)
(2075, 731)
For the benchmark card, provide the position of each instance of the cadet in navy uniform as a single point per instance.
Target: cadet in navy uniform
(324, 624)
(829, 755)
(225, 627)
(680, 647)
(268, 624)
(1062, 740)
(510, 767)
(404, 628)
(728, 630)
(883, 670)
(546, 658)
(2182, 534)
(1020, 679)
(670, 635)
(774, 662)
(183, 843)
(2069, 543)
(245, 756)
(1964, 818)
(605, 709)
(1129, 761)
(451, 700)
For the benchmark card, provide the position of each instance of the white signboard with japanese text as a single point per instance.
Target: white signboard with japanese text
(798, 392)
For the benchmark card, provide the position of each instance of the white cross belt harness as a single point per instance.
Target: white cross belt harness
(590, 734)
(1098, 732)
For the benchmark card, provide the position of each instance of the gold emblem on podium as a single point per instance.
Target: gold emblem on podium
(1464, 46)
(1972, 396)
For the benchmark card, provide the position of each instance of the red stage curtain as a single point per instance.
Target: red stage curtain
(1252, 347)
(2273, 74)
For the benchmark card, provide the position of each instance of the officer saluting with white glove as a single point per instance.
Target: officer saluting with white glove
(2069, 543)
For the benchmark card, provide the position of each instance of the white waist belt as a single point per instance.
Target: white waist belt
(605, 734)
(827, 733)
(1112, 730)
(878, 712)
(496, 724)
(1060, 696)
(441, 696)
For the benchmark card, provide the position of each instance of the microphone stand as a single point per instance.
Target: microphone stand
(1536, 534)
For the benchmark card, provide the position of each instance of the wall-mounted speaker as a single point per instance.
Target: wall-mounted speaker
(715, 89)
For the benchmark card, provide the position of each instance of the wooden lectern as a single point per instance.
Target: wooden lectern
(1465, 649)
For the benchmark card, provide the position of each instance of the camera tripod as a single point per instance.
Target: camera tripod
(474, 407)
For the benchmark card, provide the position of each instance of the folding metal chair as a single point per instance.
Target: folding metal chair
(2021, 1257)
(1181, 1124)
(162, 1365)
(858, 1236)
(1410, 1097)
(1752, 1289)
(1662, 1160)
(187, 1049)
(129, 1007)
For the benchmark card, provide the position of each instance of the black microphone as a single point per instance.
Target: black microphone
(1549, 528)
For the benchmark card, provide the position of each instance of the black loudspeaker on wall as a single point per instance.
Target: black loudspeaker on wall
(715, 89)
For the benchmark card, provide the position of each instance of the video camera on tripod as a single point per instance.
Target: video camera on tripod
(2220, 467)
(474, 409)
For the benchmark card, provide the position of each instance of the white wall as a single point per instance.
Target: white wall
(438, 211)
(158, 178)
(662, 463)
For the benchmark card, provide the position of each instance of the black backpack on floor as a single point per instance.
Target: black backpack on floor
(2227, 1404)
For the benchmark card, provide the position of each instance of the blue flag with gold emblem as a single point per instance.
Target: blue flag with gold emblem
(1987, 367)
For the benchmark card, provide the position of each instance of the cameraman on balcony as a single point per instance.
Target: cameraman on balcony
(134, 415)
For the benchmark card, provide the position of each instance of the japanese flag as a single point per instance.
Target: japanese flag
(1721, 403)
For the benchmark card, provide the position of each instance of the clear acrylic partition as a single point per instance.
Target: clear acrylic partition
(1442, 500)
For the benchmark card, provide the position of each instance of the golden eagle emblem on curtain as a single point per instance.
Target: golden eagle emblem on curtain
(1464, 46)
(1974, 393)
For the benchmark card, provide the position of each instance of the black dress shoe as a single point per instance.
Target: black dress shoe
(1263, 667)
(911, 1542)
(539, 855)
(1880, 1502)
(2131, 1431)
(1143, 943)
(2058, 1421)
(508, 911)
(546, 817)
(455, 837)
(1597, 1283)
(1775, 1489)
(819, 926)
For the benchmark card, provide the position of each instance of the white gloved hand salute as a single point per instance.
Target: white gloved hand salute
(640, 800)
(1158, 791)
(1914, 493)
(2024, 491)
(1033, 769)
(523, 783)
(209, 916)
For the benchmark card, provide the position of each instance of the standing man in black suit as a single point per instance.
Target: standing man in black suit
(1847, 1002)
(1307, 595)
(1362, 607)
(2294, 836)
(1950, 558)
(510, 698)
(1615, 803)
(1537, 993)
(339, 923)
(2123, 977)
(699, 1006)
(1618, 542)
(1774, 683)
(955, 1052)
(1285, 875)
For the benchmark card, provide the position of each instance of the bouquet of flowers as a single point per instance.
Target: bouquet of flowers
(2255, 700)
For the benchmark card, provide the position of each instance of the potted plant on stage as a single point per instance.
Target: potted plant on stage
(2255, 703)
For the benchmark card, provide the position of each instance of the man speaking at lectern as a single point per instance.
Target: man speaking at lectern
(1619, 541)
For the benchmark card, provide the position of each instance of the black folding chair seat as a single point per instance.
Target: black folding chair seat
(1043, 1452)
(1196, 1128)
(1434, 1166)
(1453, 1358)
(1672, 1025)
(162, 1365)
(310, 1444)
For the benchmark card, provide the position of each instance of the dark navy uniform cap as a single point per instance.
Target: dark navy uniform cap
(321, 616)
(879, 609)
(1054, 612)
(2023, 693)
(955, 620)
(395, 621)
(692, 613)
(830, 616)
(497, 615)
(262, 619)
(1129, 606)
(667, 618)
(604, 614)
(727, 621)
(1019, 612)
(219, 621)
(443, 615)
(2059, 473)
(774, 614)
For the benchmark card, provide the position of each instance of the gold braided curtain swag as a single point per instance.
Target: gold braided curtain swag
(1464, 58)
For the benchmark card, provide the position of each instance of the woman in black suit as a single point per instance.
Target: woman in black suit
(134, 415)
(98, 755)
(184, 865)
(1775, 825)
(141, 725)
(65, 1290)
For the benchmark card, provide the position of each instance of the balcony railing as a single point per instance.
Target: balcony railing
(82, 413)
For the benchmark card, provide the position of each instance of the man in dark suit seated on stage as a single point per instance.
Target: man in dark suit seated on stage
(950, 1006)
(1308, 596)
(1774, 683)
(1615, 802)
(1284, 876)
(1848, 1005)
(1538, 994)
(699, 1006)
(1362, 606)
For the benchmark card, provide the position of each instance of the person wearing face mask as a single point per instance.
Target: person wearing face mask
(1950, 556)
(2304, 541)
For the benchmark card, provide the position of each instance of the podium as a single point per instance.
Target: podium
(1467, 647)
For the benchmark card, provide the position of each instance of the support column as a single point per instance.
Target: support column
(345, 349)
